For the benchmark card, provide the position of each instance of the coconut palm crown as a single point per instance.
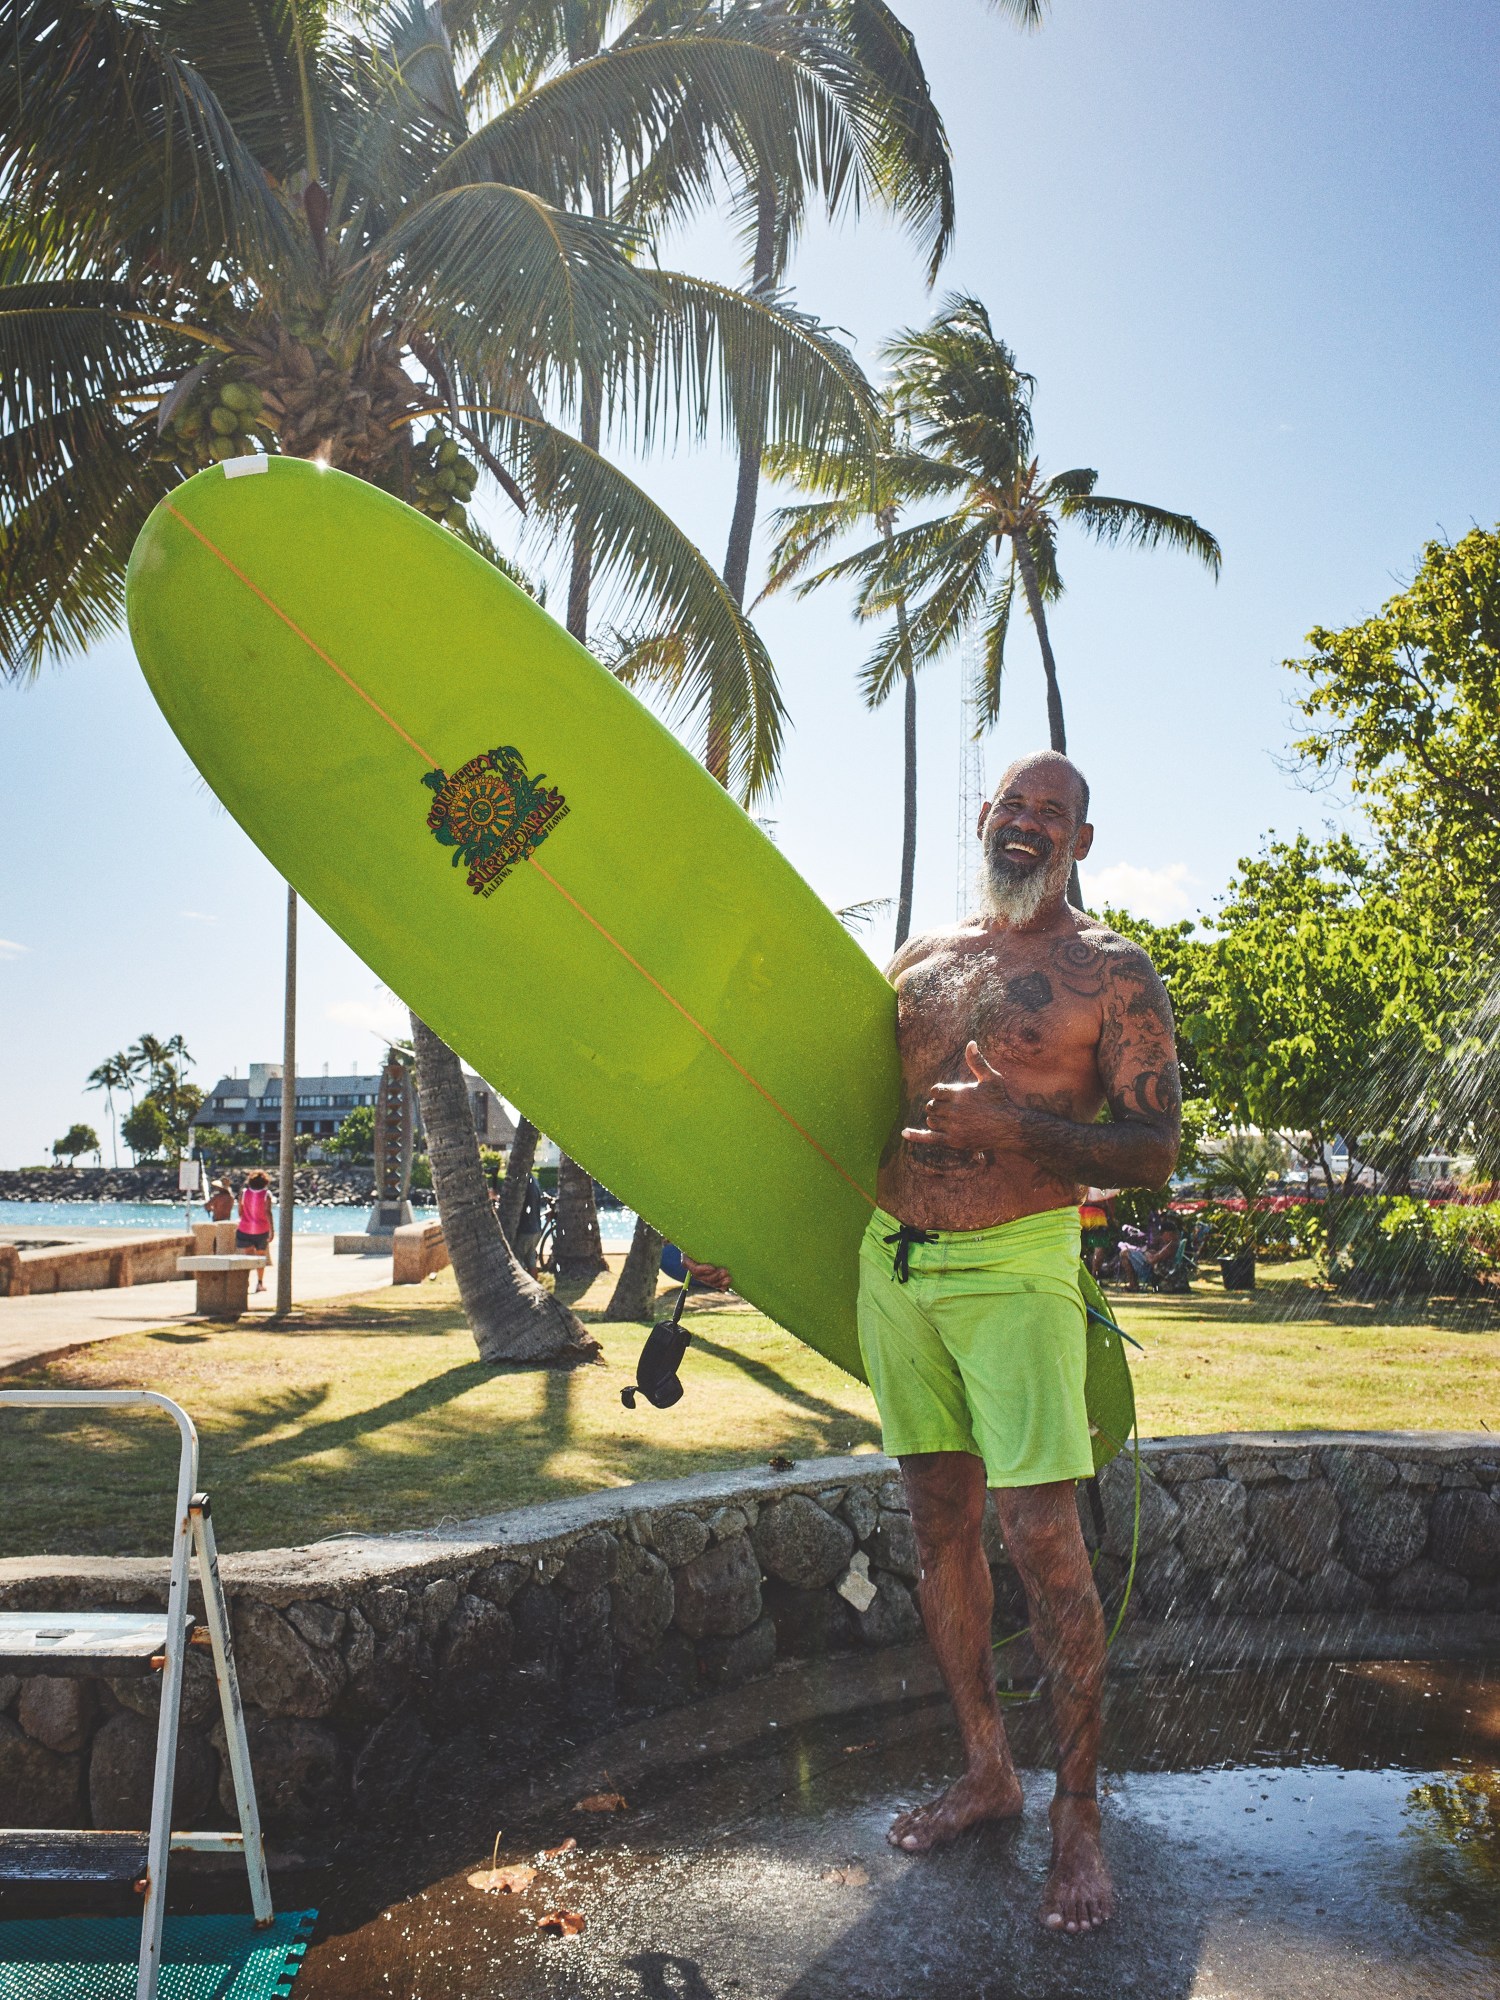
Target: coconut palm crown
(384, 237)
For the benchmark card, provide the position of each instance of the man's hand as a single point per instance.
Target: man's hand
(977, 1117)
(712, 1277)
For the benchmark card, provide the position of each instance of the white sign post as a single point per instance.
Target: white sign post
(189, 1180)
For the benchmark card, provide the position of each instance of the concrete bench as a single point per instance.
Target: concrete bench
(419, 1250)
(223, 1282)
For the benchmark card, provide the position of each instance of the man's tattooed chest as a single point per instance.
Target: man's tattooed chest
(1021, 1010)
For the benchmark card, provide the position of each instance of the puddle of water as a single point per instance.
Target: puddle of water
(1268, 1833)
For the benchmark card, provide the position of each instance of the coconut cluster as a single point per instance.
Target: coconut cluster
(221, 420)
(443, 480)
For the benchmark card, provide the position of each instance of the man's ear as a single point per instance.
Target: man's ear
(1083, 840)
(984, 813)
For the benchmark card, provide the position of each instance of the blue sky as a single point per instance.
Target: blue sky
(1248, 254)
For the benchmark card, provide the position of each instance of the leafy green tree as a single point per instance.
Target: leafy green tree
(1407, 706)
(971, 454)
(146, 1130)
(77, 1139)
(355, 1138)
(271, 222)
(1315, 967)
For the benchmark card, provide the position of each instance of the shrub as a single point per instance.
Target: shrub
(1401, 1244)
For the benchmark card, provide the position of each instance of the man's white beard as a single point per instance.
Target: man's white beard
(1017, 902)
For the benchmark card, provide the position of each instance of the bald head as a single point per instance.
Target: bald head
(1054, 770)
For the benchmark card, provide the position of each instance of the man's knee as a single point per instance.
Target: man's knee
(1042, 1534)
(945, 1492)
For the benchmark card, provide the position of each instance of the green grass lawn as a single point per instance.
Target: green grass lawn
(373, 1412)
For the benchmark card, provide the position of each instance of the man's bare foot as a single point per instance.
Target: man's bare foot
(1080, 1895)
(990, 1793)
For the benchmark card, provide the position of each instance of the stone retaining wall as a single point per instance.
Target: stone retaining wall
(332, 1185)
(360, 1659)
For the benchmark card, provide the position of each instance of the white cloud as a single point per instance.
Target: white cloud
(10, 949)
(198, 916)
(384, 1017)
(1160, 895)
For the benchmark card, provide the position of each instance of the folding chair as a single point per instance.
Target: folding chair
(73, 1643)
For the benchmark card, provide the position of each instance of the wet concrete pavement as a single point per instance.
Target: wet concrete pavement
(1266, 1830)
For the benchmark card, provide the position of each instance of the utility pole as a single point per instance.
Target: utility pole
(288, 1115)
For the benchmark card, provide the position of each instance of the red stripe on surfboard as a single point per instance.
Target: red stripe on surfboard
(567, 896)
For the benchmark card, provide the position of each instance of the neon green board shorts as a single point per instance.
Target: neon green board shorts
(983, 1347)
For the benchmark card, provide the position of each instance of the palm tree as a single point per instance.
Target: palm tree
(968, 408)
(113, 1074)
(268, 223)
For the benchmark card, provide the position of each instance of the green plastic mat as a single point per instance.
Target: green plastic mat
(202, 1958)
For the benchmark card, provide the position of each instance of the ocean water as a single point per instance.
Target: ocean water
(615, 1224)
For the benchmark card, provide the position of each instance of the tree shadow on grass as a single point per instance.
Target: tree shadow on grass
(766, 1377)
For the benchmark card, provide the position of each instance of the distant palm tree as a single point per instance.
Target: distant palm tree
(968, 407)
(113, 1074)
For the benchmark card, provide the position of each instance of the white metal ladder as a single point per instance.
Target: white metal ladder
(83, 1642)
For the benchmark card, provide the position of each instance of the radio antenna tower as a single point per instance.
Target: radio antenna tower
(971, 786)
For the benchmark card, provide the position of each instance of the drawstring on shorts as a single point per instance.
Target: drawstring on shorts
(903, 1238)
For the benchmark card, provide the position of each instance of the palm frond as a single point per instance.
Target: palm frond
(908, 164)
(801, 534)
(991, 666)
(1142, 527)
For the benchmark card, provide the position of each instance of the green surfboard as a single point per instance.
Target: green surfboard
(521, 851)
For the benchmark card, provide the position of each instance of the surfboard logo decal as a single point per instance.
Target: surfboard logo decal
(492, 813)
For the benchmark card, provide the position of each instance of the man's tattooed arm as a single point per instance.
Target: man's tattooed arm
(1138, 1067)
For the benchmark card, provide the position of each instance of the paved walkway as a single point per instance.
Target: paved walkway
(31, 1328)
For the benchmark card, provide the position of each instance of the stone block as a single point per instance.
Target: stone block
(642, 1599)
(385, 1682)
(10, 1687)
(122, 1766)
(1261, 1590)
(1332, 1587)
(1177, 1468)
(1357, 1475)
(479, 1637)
(861, 1510)
(1265, 1467)
(1425, 1586)
(727, 1662)
(536, 1613)
(1297, 1527)
(500, 1582)
(893, 1618)
(386, 1608)
(678, 1536)
(892, 1492)
(832, 1498)
(1383, 1532)
(57, 1712)
(359, 1644)
(1162, 1584)
(809, 1622)
(1418, 1472)
(583, 1625)
(1466, 1534)
(319, 1624)
(893, 1545)
(300, 1767)
(718, 1592)
(1214, 1533)
(1160, 1511)
(278, 1671)
(590, 1564)
(437, 1603)
(800, 1543)
(662, 1678)
(141, 1693)
(726, 1521)
(39, 1786)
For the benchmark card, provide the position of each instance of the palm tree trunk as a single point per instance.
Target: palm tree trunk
(517, 1174)
(634, 1296)
(511, 1317)
(909, 765)
(1055, 729)
(580, 1253)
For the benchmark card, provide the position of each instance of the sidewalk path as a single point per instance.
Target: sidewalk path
(33, 1328)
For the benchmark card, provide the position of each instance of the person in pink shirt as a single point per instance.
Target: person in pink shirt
(256, 1226)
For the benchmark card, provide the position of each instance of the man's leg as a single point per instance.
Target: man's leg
(945, 1490)
(1045, 1542)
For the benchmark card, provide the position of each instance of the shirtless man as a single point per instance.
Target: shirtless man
(1015, 1029)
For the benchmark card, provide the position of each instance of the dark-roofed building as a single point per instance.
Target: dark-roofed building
(251, 1106)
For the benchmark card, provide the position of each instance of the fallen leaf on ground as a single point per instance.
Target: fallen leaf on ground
(551, 1853)
(560, 1923)
(780, 1463)
(850, 1748)
(602, 1802)
(852, 1876)
(512, 1881)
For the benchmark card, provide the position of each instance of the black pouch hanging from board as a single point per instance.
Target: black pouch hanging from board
(661, 1357)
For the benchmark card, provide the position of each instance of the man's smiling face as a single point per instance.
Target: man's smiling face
(1031, 832)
